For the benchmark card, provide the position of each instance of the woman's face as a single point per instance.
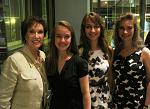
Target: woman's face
(92, 30)
(126, 30)
(62, 38)
(35, 36)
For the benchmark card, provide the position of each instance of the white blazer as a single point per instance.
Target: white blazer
(23, 84)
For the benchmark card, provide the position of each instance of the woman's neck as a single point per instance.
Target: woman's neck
(128, 47)
(35, 52)
(94, 46)
(128, 44)
(64, 56)
(127, 50)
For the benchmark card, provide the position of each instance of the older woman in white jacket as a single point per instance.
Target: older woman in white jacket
(23, 82)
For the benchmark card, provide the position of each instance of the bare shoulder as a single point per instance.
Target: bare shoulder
(145, 51)
(145, 54)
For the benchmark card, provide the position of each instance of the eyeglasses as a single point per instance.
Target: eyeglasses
(32, 32)
(91, 27)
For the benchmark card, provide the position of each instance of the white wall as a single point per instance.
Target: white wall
(72, 11)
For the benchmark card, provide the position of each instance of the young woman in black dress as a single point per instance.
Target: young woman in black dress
(67, 72)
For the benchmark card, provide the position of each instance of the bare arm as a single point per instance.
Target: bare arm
(109, 73)
(146, 60)
(84, 83)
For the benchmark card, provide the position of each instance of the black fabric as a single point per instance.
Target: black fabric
(66, 87)
(130, 79)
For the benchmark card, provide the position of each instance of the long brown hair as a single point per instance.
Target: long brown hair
(52, 57)
(136, 40)
(85, 42)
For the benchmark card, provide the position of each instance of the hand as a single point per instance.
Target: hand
(145, 107)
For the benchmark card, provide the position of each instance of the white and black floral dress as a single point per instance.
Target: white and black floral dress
(99, 87)
(130, 78)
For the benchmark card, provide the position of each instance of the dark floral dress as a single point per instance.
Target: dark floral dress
(99, 87)
(130, 78)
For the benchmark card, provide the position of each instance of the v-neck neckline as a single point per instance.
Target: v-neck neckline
(65, 64)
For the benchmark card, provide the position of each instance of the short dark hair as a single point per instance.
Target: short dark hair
(28, 22)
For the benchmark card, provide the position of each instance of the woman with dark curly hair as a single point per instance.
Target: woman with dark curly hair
(23, 82)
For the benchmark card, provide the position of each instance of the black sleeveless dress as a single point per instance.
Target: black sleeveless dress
(130, 79)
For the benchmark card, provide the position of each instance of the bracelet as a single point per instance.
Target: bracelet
(145, 106)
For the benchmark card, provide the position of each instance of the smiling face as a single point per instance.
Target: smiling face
(62, 38)
(34, 37)
(126, 30)
(92, 30)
